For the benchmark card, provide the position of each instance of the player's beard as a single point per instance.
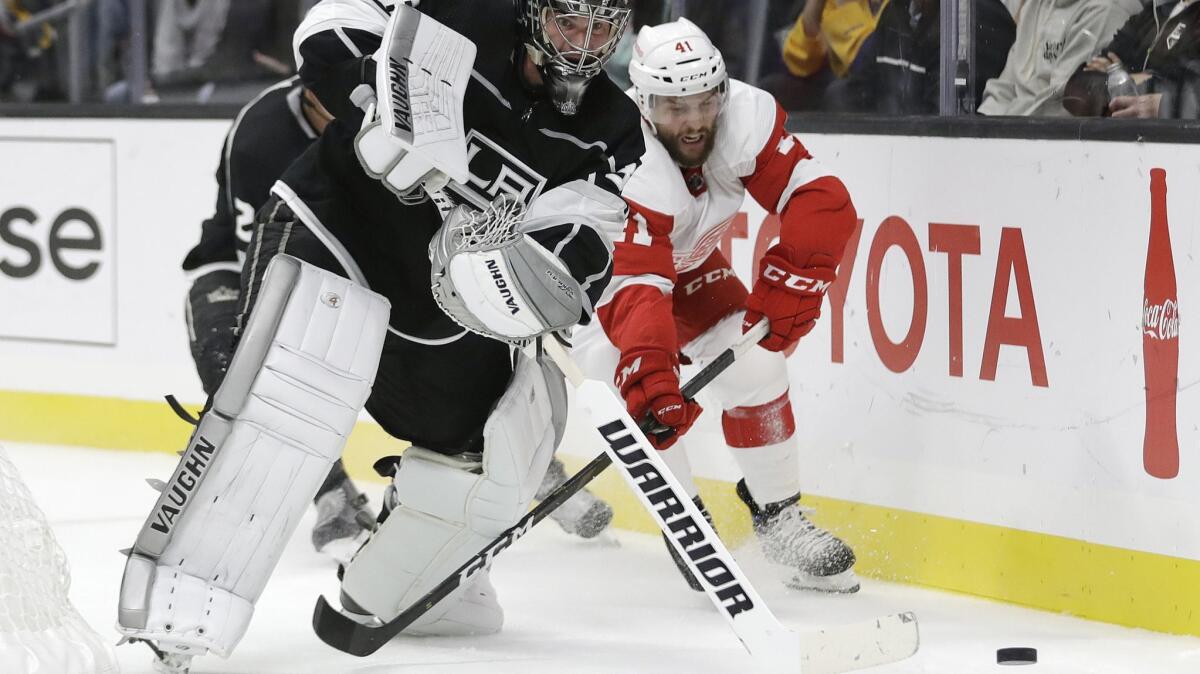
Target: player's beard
(689, 155)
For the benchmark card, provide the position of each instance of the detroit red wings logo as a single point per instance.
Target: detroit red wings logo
(708, 242)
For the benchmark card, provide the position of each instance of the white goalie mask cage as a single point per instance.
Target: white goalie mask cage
(567, 72)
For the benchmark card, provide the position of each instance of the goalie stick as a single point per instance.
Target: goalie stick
(351, 636)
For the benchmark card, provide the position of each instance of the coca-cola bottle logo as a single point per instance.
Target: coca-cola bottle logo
(1160, 321)
(1160, 340)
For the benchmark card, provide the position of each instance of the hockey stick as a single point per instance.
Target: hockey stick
(351, 636)
(773, 646)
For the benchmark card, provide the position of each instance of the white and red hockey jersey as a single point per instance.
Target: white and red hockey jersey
(677, 216)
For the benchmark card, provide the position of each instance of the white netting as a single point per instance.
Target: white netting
(40, 631)
(487, 229)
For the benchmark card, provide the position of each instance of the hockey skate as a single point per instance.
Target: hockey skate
(814, 558)
(344, 522)
(583, 514)
(688, 577)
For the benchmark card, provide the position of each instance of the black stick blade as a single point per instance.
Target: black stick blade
(348, 635)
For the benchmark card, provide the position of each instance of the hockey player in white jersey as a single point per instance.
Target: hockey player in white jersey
(709, 141)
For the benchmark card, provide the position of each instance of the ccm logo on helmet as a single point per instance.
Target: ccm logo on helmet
(795, 281)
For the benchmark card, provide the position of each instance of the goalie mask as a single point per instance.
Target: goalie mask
(570, 41)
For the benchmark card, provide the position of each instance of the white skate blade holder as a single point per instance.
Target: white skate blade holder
(421, 80)
(774, 647)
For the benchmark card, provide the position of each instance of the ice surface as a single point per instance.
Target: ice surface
(571, 606)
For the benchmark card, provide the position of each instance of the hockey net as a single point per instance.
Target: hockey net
(40, 631)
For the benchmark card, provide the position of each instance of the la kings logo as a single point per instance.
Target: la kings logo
(494, 171)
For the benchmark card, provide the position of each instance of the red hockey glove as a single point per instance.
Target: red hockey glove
(649, 381)
(789, 296)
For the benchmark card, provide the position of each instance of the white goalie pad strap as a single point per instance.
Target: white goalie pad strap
(449, 508)
(303, 370)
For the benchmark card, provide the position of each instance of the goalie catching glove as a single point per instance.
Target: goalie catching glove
(788, 295)
(498, 282)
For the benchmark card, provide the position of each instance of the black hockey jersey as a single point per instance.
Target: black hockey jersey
(569, 167)
(267, 135)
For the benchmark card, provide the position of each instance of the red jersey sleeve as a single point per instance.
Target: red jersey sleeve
(638, 313)
(815, 209)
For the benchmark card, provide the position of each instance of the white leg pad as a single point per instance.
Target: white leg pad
(450, 507)
(301, 374)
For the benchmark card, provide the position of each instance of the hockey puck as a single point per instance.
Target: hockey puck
(1016, 656)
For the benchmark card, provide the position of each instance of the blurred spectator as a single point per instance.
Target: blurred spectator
(28, 71)
(728, 25)
(904, 75)
(1053, 38)
(1160, 47)
(824, 48)
(112, 41)
(645, 12)
(219, 50)
(9, 50)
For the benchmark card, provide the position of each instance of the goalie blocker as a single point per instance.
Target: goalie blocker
(302, 371)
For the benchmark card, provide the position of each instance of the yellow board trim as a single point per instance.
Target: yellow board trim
(1099, 582)
(143, 426)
